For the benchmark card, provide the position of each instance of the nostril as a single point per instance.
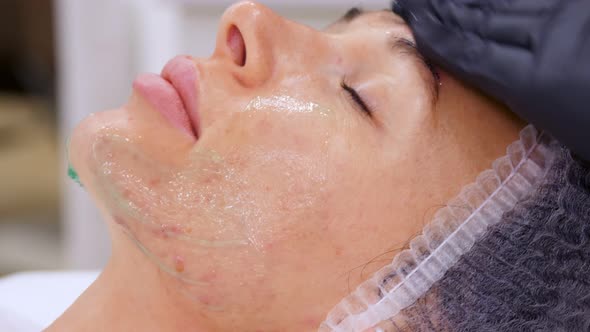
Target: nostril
(237, 46)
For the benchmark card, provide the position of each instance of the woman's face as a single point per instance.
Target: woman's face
(305, 154)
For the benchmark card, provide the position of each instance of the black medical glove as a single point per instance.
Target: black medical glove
(533, 55)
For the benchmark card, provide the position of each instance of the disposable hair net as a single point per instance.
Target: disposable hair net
(489, 260)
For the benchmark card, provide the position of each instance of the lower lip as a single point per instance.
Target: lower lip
(162, 95)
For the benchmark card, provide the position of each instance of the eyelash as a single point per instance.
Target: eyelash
(354, 95)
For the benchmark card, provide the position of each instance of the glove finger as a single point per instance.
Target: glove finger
(509, 29)
(495, 68)
(406, 8)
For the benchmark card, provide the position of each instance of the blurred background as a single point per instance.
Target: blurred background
(61, 60)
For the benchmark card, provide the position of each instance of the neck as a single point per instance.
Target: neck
(131, 294)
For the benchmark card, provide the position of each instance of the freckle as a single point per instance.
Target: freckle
(188, 229)
(178, 264)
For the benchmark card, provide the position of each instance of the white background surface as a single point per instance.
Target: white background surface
(36, 299)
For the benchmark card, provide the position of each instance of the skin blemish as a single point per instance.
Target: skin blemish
(158, 232)
(209, 180)
(120, 221)
(178, 264)
(311, 322)
(204, 299)
(165, 231)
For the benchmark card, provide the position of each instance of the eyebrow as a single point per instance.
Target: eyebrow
(353, 13)
(406, 46)
(350, 15)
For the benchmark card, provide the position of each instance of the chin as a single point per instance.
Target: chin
(135, 126)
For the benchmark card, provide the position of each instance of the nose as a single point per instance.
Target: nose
(248, 40)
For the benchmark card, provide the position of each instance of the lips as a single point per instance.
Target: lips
(174, 94)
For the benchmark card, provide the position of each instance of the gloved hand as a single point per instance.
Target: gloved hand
(533, 55)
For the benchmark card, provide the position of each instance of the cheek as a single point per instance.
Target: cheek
(219, 208)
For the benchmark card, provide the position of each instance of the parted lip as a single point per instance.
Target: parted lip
(182, 73)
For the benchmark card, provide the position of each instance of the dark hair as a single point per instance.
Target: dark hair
(530, 272)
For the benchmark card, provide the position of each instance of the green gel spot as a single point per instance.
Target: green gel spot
(73, 175)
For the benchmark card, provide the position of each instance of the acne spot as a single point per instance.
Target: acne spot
(311, 322)
(167, 230)
(179, 264)
(126, 193)
(120, 221)
(204, 299)
(154, 182)
(209, 179)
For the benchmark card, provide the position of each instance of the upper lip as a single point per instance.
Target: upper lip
(181, 72)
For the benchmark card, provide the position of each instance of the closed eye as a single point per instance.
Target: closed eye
(356, 97)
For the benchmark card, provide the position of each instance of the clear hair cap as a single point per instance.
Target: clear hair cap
(452, 232)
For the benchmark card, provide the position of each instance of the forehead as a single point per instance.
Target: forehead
(354, 19)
